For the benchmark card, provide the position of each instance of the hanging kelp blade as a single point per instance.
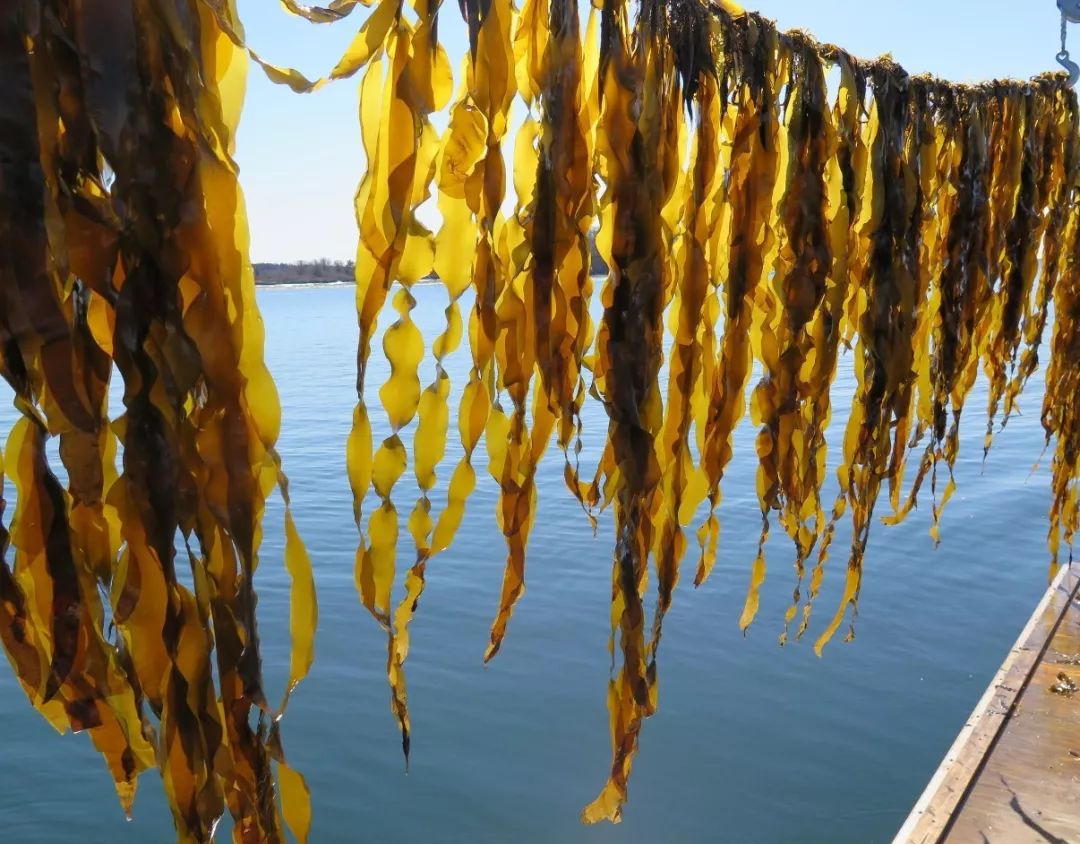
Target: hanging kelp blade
(123, 247)
(778, 219)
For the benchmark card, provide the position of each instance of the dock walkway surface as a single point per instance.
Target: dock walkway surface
(1013, 773)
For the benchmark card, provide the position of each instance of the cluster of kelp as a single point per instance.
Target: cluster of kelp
(779, 201)
(123, 244)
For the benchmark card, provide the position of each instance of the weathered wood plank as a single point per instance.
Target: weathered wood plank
(1012, 736)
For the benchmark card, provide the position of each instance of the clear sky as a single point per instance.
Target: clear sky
(300, 156)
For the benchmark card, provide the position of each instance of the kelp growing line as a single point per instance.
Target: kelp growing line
(777, 200)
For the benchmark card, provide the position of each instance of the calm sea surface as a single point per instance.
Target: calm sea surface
(752, 743)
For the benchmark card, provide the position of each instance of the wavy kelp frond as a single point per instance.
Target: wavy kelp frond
(786, 402)
(563, 215)
(1061, 407)
(930, 210)
(930, 229)
(846, 183)
(124, 245)
(399, 91)
(691, 303)
(1023, 237)
(474, 199)
(753, 75)
(884, 355)
(543, 311)
(1059, 157)
(637, 143)
(954, 241)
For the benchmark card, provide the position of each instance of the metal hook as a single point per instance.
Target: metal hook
(1072, 67)
(1070, 13)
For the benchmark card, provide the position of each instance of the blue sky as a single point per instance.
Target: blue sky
(300, 157)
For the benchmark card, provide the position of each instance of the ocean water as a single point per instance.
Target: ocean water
(752, 742)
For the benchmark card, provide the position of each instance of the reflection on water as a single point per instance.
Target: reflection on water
(752, 742)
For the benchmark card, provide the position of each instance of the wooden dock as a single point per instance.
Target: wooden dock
(1013, 773)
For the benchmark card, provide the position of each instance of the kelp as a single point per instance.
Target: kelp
(637, 142)
(398, 93)
(769, 203)
(124, 247)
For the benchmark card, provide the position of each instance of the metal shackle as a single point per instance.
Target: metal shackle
(1070, 10)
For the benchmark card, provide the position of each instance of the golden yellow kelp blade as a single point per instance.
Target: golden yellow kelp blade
(124, 245)
(931, 230)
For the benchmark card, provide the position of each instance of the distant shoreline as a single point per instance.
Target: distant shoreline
(325, 271)
(300, 274)
(330, 282)
(303, 272)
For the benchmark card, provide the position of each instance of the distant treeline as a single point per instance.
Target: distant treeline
(324, 271)
(304, 272)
